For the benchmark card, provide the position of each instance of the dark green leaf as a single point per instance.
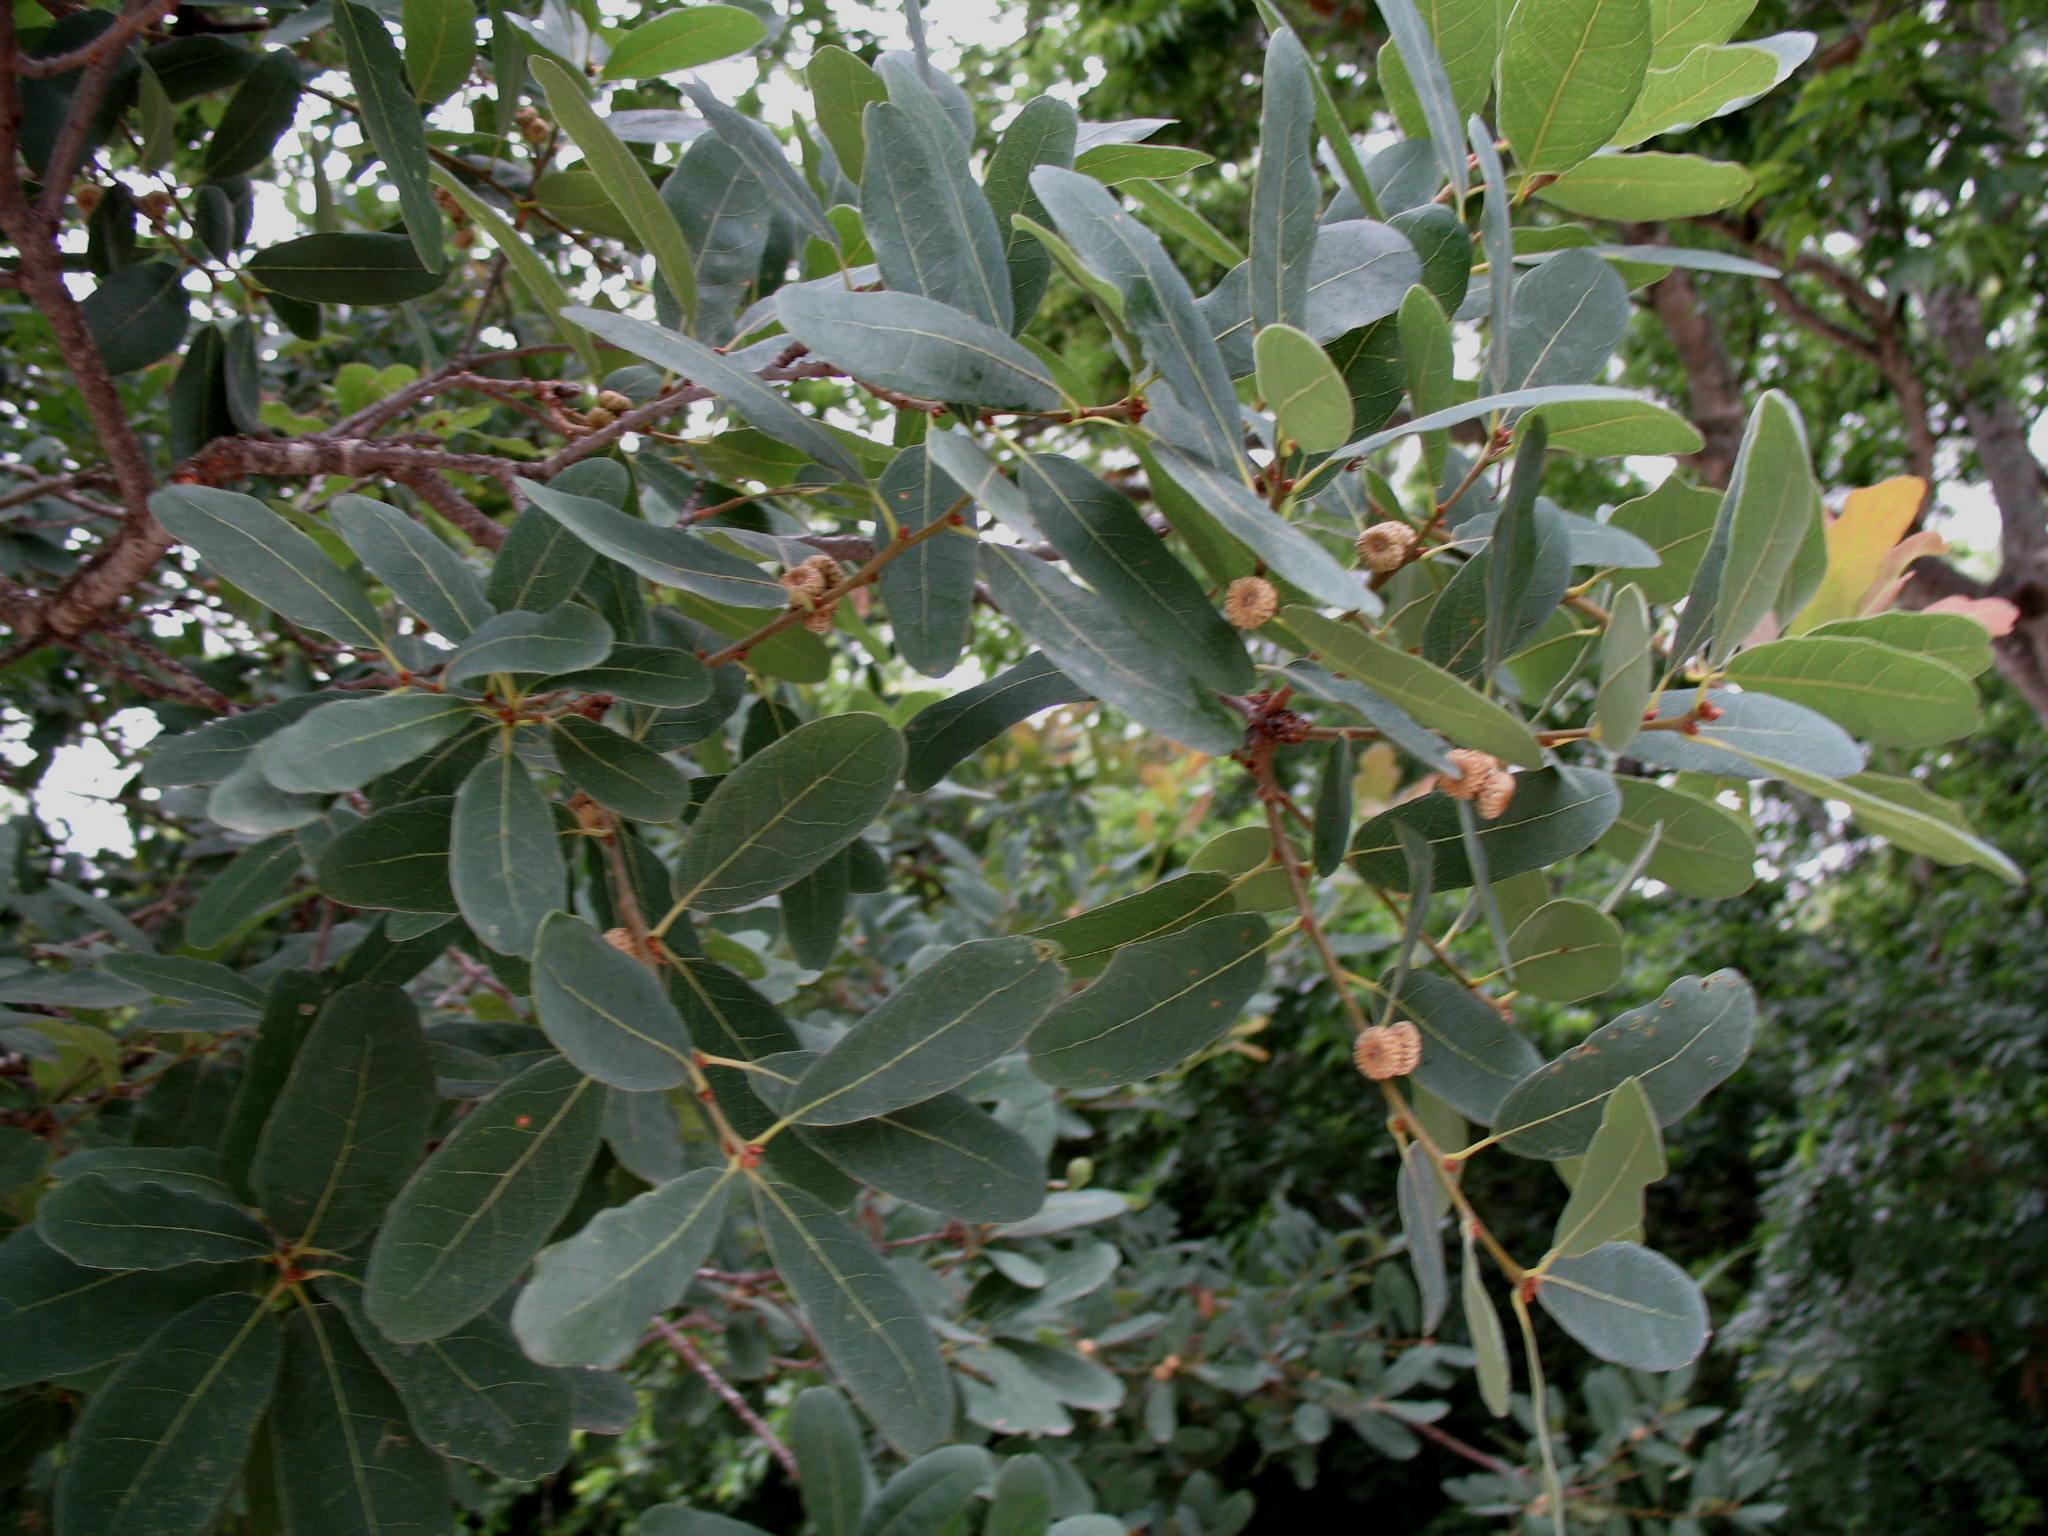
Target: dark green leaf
(1568, 317)
(350, 1122)
(251, 546)
(255, 117)
(482, 1205)
(871, 1332)
(1471, 1056)
(504, 865)
(541, 566)
(1284, 193)
(344, 268)
(1431, 82)
(1419, 1200)
(617, 771)
(1090, 941)
(941, 736)
(590, 1298)
(1628, 1305)
(787, 809)
(553, 640)
(156, 1451)
(199, 394)
(471, 1394)
(1089, 641)
(1157, 1004)
(188, 980)
(1199, 403)
(925, 1496)
(1042, 133)
(642, 674)
(669, 557)
(1101, 535)
(344, 745)
(253, 879)
(832, 1461)
(929, 588)
(1678, 1047)
(756, 144)
(624, 181)
(137, 315)
(104, 1224)
(943, 1154)
(348, 1462)
(813, 910)
(1554, 814)
(919, 346)
(929, 224)
(289, 1013)
(948, 1021)
(1426, 692)
(59, 1318)
(391, 122)
(1333, 806)
(395, 858)
(421, 571)
(605, 1010)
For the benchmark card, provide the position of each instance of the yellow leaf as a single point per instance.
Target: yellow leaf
(1861, 538)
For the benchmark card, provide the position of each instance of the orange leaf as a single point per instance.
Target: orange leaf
(1994, 613)
(1861, 538)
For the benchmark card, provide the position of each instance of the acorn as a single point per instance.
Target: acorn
(611, 400)
(1494, 797)
(155, 206)
(1385, 547)
(814, 577)
(1388, 1050)
(1250, 601)
(531, 125)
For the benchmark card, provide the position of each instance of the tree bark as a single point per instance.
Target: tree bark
(1713, 388)
(1998, 434)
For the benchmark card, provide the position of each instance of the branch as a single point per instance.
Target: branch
(1713, 391)
(727, 1392)
(124, 31)
(106, 53)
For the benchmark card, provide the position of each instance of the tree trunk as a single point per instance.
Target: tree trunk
(1713, 389)
(2018, 485)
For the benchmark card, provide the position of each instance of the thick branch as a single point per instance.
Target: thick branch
(1713, 392)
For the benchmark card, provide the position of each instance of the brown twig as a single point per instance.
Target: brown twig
(730, 1395)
